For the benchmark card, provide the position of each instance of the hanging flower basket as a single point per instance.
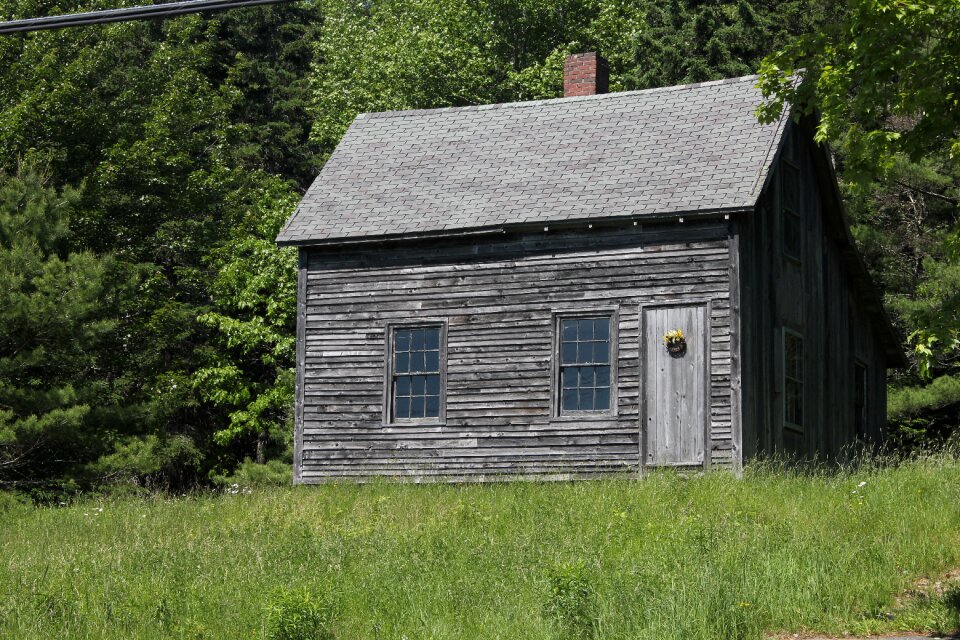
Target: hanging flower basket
(676, 342)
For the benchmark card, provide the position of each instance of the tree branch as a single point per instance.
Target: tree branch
(928, 193)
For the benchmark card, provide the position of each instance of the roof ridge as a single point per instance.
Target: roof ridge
(522, 104)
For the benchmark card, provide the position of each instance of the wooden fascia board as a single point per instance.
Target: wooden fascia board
(484, 233)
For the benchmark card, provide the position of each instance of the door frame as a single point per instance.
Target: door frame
(707, 305)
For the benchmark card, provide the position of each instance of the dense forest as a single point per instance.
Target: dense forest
(146, 316)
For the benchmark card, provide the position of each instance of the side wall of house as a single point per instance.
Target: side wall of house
(813, 297)
(498, 297)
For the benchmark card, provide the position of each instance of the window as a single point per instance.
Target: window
(791, 205)
(416, 373)
(585, 371)
(860, 399)
(792, 379)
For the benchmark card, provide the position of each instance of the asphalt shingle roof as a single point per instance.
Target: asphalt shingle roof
(686, 149)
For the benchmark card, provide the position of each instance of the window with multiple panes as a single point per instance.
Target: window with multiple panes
(791, 205)
(860, 399)
(792, 379)
(585, 372)
(416, 372)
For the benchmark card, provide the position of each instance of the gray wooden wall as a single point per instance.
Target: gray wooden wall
(498, 297)
(817, 298)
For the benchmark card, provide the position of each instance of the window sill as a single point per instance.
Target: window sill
(795, 428)
(586, 417)
(415, 423)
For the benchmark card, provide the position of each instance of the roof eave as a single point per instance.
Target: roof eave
(524, 227)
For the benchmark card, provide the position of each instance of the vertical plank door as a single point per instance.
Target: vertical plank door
(675, 386)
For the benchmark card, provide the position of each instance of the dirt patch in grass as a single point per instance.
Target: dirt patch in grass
(883, 636)
(944, 586)
(938, 593)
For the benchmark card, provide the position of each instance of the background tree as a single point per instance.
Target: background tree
(885, 79)
(248, 365)
(56, 308)
(172, 133)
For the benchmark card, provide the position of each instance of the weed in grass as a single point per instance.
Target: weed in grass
(570, 603)
(51, 607)
(299, 615)
(163, 614)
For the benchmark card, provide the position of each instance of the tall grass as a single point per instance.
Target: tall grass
(665, 557)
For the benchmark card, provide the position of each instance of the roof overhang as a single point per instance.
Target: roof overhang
(582, 224)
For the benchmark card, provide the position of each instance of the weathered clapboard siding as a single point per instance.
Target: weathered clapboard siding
(816, 297)
(498, 297)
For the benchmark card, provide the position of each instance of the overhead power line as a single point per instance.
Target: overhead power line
(165, 10)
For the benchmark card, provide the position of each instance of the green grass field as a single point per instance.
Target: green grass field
(661, 558)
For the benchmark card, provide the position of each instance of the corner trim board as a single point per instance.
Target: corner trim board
(736, 383)
(301, 356)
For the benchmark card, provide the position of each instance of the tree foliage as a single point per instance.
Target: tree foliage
(54, 314)
(885, 80)
(248, 364)
(183, 144)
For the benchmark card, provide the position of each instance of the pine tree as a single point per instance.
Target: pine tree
(54, 311)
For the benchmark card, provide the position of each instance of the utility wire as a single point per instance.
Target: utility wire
(165, 10)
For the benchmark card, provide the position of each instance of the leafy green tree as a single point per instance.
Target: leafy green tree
(404, 54)
(248, 363)
(690, 41)
(400, 54)
(885, 79)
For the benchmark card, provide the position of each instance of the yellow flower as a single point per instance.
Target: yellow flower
(670, 337)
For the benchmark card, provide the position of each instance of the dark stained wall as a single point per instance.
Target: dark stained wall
(498, 296)
(816, 298)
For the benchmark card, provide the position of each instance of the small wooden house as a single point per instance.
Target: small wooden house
(500, 291)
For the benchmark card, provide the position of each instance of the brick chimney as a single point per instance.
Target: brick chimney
(585, 74)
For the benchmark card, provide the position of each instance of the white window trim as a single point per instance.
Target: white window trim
(789, 211)
(799, 428)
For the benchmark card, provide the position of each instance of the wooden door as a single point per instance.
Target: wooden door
(675, 386)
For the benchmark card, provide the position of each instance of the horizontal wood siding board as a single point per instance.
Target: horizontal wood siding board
(498, 299)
